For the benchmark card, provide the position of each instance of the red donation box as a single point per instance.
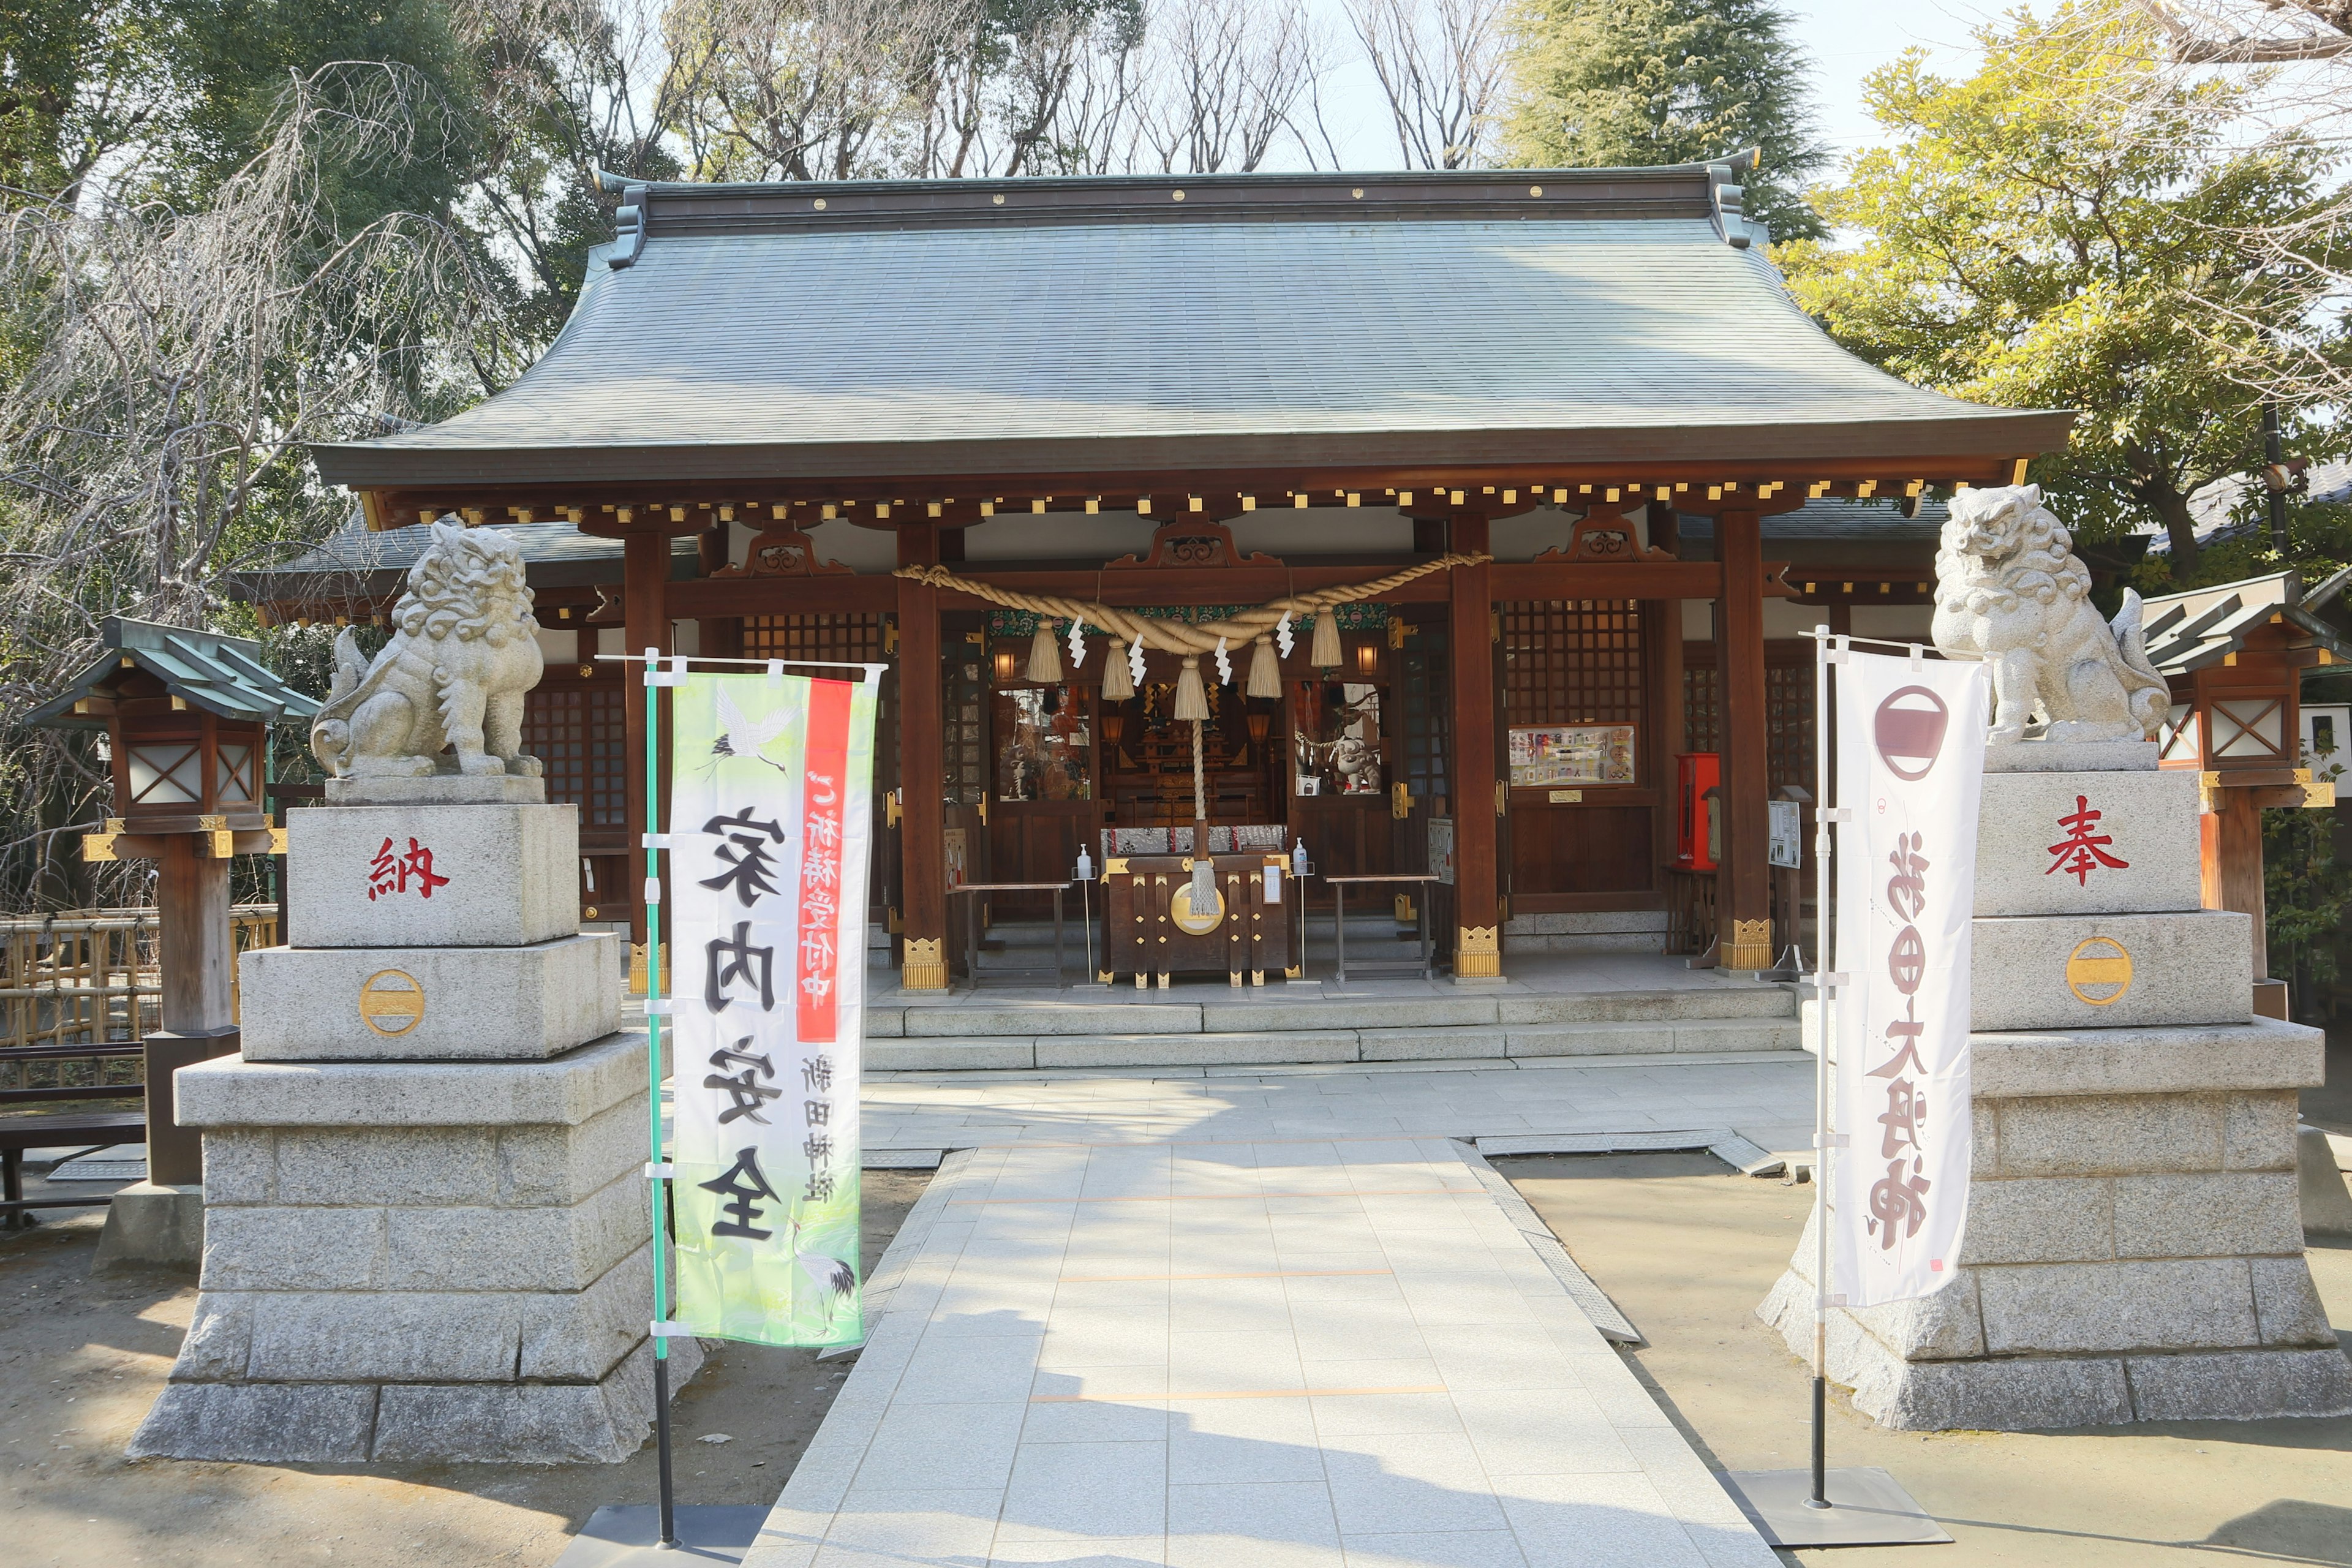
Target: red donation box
(1698, 810)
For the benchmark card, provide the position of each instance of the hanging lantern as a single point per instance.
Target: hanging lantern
(1118, 685)
(1191, 698)
(1265, 669)
(1327, 653)
(1045, 658)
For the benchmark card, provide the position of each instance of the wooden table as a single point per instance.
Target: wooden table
(1427, 963)
(971, 929)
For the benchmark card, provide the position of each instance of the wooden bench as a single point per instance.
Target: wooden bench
(97, 1128)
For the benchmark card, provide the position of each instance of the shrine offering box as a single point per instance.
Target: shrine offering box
(1152, 928)
(1698, 810)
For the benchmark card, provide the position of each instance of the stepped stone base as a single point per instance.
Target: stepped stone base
(419, 1261)
(2026, 1393)
(2133, 1252)
(604, 1421)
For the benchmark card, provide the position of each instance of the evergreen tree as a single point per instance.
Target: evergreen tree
(1619, 83)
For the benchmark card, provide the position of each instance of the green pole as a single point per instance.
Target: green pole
(659, 1185)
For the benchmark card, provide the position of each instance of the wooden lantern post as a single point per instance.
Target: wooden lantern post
(187, 717)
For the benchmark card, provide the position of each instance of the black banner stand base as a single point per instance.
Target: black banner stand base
(629, 1535)
(1867, 1508)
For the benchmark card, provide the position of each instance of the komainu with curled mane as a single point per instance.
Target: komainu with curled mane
(2010, 589)
(452, 677)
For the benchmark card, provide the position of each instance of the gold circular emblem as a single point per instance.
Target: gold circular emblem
(391, 1002)
(2099, 971)
(1180, 909)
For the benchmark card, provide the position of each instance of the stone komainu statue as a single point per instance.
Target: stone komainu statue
(2010, 589)
(454, 674)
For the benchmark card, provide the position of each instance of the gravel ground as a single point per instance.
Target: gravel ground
(1687, 1249)
(82, 1357)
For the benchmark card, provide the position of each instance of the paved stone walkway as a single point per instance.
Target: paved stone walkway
(1256, 1317)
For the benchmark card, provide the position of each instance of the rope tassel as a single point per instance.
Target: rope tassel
(1327, 653)
(1265, 669)
(1191, 698)
(1117, 683)
(1044, 658)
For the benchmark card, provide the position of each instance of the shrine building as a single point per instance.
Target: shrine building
(1187, 396)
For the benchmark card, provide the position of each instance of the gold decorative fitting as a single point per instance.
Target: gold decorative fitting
(1478, 952)
(925, 967)
(2099, 971)
(97, 849)
(392, 1002)
(278, 846)
(1749, 945)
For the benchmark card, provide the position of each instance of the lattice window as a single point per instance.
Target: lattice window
(850, 638)
(578, 731)
(1428, 721)
(1787, 715)
(2250, 726)
(1571, 662)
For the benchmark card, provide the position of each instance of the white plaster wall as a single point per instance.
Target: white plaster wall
(1057, 536)
(1285, 531)
(1901, 622)
(1781, 619)
(559, 646)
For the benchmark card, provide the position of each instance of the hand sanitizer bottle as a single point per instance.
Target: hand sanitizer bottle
(1299, 857)
(1085, 864)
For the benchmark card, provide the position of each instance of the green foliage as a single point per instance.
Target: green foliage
(237, 56)
(2059, 231)
(78, 80)
(1613, 83)
(2306, 894)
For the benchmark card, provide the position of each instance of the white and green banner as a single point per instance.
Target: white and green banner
(770, 799)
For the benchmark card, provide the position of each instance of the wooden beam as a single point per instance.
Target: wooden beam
(1744, 916)
(1206, 585)
(1891, 475)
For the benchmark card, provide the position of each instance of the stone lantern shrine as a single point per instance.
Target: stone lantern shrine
(187, 716)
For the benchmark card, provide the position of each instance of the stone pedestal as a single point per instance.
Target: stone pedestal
(427, 1230)
(2133, 1249)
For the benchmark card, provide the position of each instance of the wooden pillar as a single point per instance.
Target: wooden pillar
(644, 606)
(196, 950)
(1744, 888)
(922, 818)
(1479, 939)
(2233, 863)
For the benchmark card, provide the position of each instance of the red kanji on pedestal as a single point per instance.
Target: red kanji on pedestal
(2083, 851)
(390, 873)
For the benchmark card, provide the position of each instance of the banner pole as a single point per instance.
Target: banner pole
(659, 1185)
(1824, 898)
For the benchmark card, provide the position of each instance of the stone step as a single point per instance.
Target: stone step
(1256, 1012)
(1602, 922)
(1229, 1047)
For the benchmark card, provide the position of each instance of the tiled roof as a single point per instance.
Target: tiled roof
(2202, 627)
(354, 564)
(1065, 326)
(222, 675)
